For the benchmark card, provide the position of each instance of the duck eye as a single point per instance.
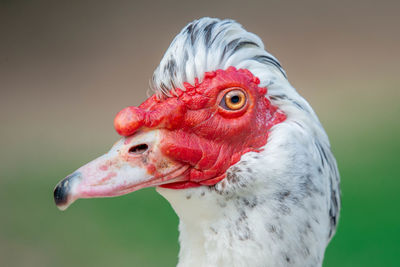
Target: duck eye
(233, 100)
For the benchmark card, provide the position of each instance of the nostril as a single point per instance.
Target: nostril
(139, 149)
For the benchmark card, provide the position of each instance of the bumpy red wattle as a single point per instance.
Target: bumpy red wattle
(198, 131)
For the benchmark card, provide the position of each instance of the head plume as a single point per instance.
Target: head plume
(209, 44)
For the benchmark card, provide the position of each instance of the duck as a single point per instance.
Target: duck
(227, 140)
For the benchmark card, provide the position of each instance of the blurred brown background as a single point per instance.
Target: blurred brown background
(67, 67)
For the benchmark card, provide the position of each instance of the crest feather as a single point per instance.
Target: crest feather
(209, 44)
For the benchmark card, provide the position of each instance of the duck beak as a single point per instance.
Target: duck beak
(133, 163)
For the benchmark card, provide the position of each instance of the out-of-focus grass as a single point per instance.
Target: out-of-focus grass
(140, 229)
(369, 227)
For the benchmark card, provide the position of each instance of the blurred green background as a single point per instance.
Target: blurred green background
(67, 67)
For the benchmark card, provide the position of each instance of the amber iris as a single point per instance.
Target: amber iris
(234, 99)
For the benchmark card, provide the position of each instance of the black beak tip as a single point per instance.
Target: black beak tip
(61, 193)
(63, 188)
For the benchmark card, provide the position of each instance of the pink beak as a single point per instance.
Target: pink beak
(133, 163)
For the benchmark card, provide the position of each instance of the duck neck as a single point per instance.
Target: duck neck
(214, 231)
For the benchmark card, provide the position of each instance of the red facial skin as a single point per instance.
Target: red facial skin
(201, 133)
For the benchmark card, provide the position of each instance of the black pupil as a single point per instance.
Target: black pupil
(235, 99)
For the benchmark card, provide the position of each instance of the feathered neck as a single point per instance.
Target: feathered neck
(215, 231)
(266, 212)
